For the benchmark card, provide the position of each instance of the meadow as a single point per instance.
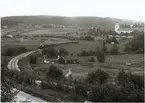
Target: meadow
(87, 45)
(30, 43)
(53, 31)
(112, 65)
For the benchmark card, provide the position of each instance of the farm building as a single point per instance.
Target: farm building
(67, 60)
(62, 60)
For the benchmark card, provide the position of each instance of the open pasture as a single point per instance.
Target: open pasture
(113, 64)
(87, 45)
(53, 31)
(30, 43)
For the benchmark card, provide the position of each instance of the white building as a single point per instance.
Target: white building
(122, 30)
(9, 36)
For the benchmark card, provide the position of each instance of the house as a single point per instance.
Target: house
(9, 36)
(62, 60)
(122, 30)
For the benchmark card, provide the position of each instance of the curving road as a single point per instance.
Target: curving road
(12, 65)
(22, 96)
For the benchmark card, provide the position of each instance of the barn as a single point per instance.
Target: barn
(67, 60)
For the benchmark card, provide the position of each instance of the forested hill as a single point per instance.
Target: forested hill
(107, 23)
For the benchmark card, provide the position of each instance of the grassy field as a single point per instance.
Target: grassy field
(87, 45)
(112, 65)
(53, 31)
(30, 43)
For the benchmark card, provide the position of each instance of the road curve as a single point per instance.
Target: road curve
(13, 65)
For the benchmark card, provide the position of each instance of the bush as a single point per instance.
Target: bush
(139, 51)
(124, 78)
(116, 93)
(50, 52)
(62, 52)
(88, 38)
(101, 56)
(104, 49)
(14, 51)
(98, 76)
(54, 72)
(136, 45)
(87, 53)
(84, 53)
(108, 40)
(114, 40)
(25, 78)
(81, 90)
(114, 49)
(33, 59)
(91, 59)
(76, 98)
(6, 85)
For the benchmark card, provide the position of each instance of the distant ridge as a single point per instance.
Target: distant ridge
(84, 21)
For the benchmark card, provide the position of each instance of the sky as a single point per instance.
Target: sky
(124, 9)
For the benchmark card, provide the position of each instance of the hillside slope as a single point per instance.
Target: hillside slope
(107, 23)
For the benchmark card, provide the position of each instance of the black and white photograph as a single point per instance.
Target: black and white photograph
(70, 51)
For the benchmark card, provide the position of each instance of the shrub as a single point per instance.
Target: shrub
(116, 93)
(33, 59)
(54, 72)
(101, 56)
(104, 49)
(25, 78)
(76, 98)
(6, 86)
(136, 45)
(91, 59)
(89, 38)
(50, 52)
(14, 51)
(84, 53)
(108, 40)
(98, 76)
(114, 49)
(124, 78)
(62, 52)
(87, 53)
(114, 40)
(81, 90)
